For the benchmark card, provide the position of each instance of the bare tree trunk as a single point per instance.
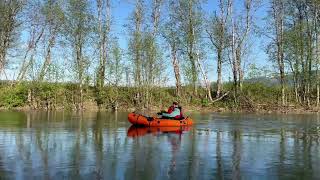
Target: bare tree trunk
(152, 54)
(194, 74)
(219, 72)
(238, 67)
(80, 68)
(176, 69)
(47, 61)
(103, 30)
(99, 77)
(234, 61)
(32, 45)
(278, 14)
(219, 38)
(318, 95)
(309, 57)
(191, 44)
(296, 89)
(317, 53)
(171, 35)
(206, 81)
(240, 29)
(136, 44)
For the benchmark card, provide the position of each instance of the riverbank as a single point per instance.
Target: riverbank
(254, 98)
(186, 109)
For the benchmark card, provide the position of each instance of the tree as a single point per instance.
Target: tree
(54, 17)
(104, 26)
(77, 29)
(115, 70)
(9, 11)
(294, 43)
(317, 50)
(278, 17)
(189, 14)
(135, 49)
(218, 36)
(151, 51)
(171, 34)
(241, 25)
(34, 23)
(115, 67)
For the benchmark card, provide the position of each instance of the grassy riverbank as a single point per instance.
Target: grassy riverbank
(254, 97)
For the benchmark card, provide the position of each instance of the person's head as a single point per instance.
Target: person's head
(175, 104)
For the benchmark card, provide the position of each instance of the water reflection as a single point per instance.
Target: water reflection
(136, 131)
(173, 137)
(99, 145)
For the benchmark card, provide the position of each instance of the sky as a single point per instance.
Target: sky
(123, 9)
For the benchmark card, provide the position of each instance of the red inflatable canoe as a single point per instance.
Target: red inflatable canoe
(141, 120)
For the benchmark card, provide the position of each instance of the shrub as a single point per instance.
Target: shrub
(15, 96)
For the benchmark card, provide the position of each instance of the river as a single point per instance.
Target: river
(102, 145)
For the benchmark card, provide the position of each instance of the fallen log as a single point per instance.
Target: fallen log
(216, 100)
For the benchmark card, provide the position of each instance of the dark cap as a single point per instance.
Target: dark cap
(175, 103)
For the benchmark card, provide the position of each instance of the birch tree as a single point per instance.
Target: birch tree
(103, 30)
(9, 11)
(171, 34)
(54, 17)
(278, 16)
(241, 26)
(135, 49)
(189, 14)
(35, 27)
(77, 30)
(218, 35)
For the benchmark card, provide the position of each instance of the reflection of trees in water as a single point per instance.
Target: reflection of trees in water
(98, 143)
(75, 159)
(295, 154)
(153, 156)
(143, 165)
(28, 120)
(282, 152)
(3, 172)
(175, 143)
(131, 168)
(42, 141)
(219, 159)
(38, 147)
(193, 164)
(307, 155)
(236, 155)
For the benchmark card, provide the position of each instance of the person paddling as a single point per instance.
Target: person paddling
(174, 112)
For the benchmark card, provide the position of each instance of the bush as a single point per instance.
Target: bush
(260, 92)
(16, 96)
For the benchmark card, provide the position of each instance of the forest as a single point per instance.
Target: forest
(206, 54)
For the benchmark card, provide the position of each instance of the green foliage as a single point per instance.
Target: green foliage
(204, 102)
(59, 95)
(15, 96)
(262, 93)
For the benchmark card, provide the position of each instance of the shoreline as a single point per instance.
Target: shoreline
(187, 109)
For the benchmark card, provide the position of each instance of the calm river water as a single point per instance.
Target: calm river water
(102, 145)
